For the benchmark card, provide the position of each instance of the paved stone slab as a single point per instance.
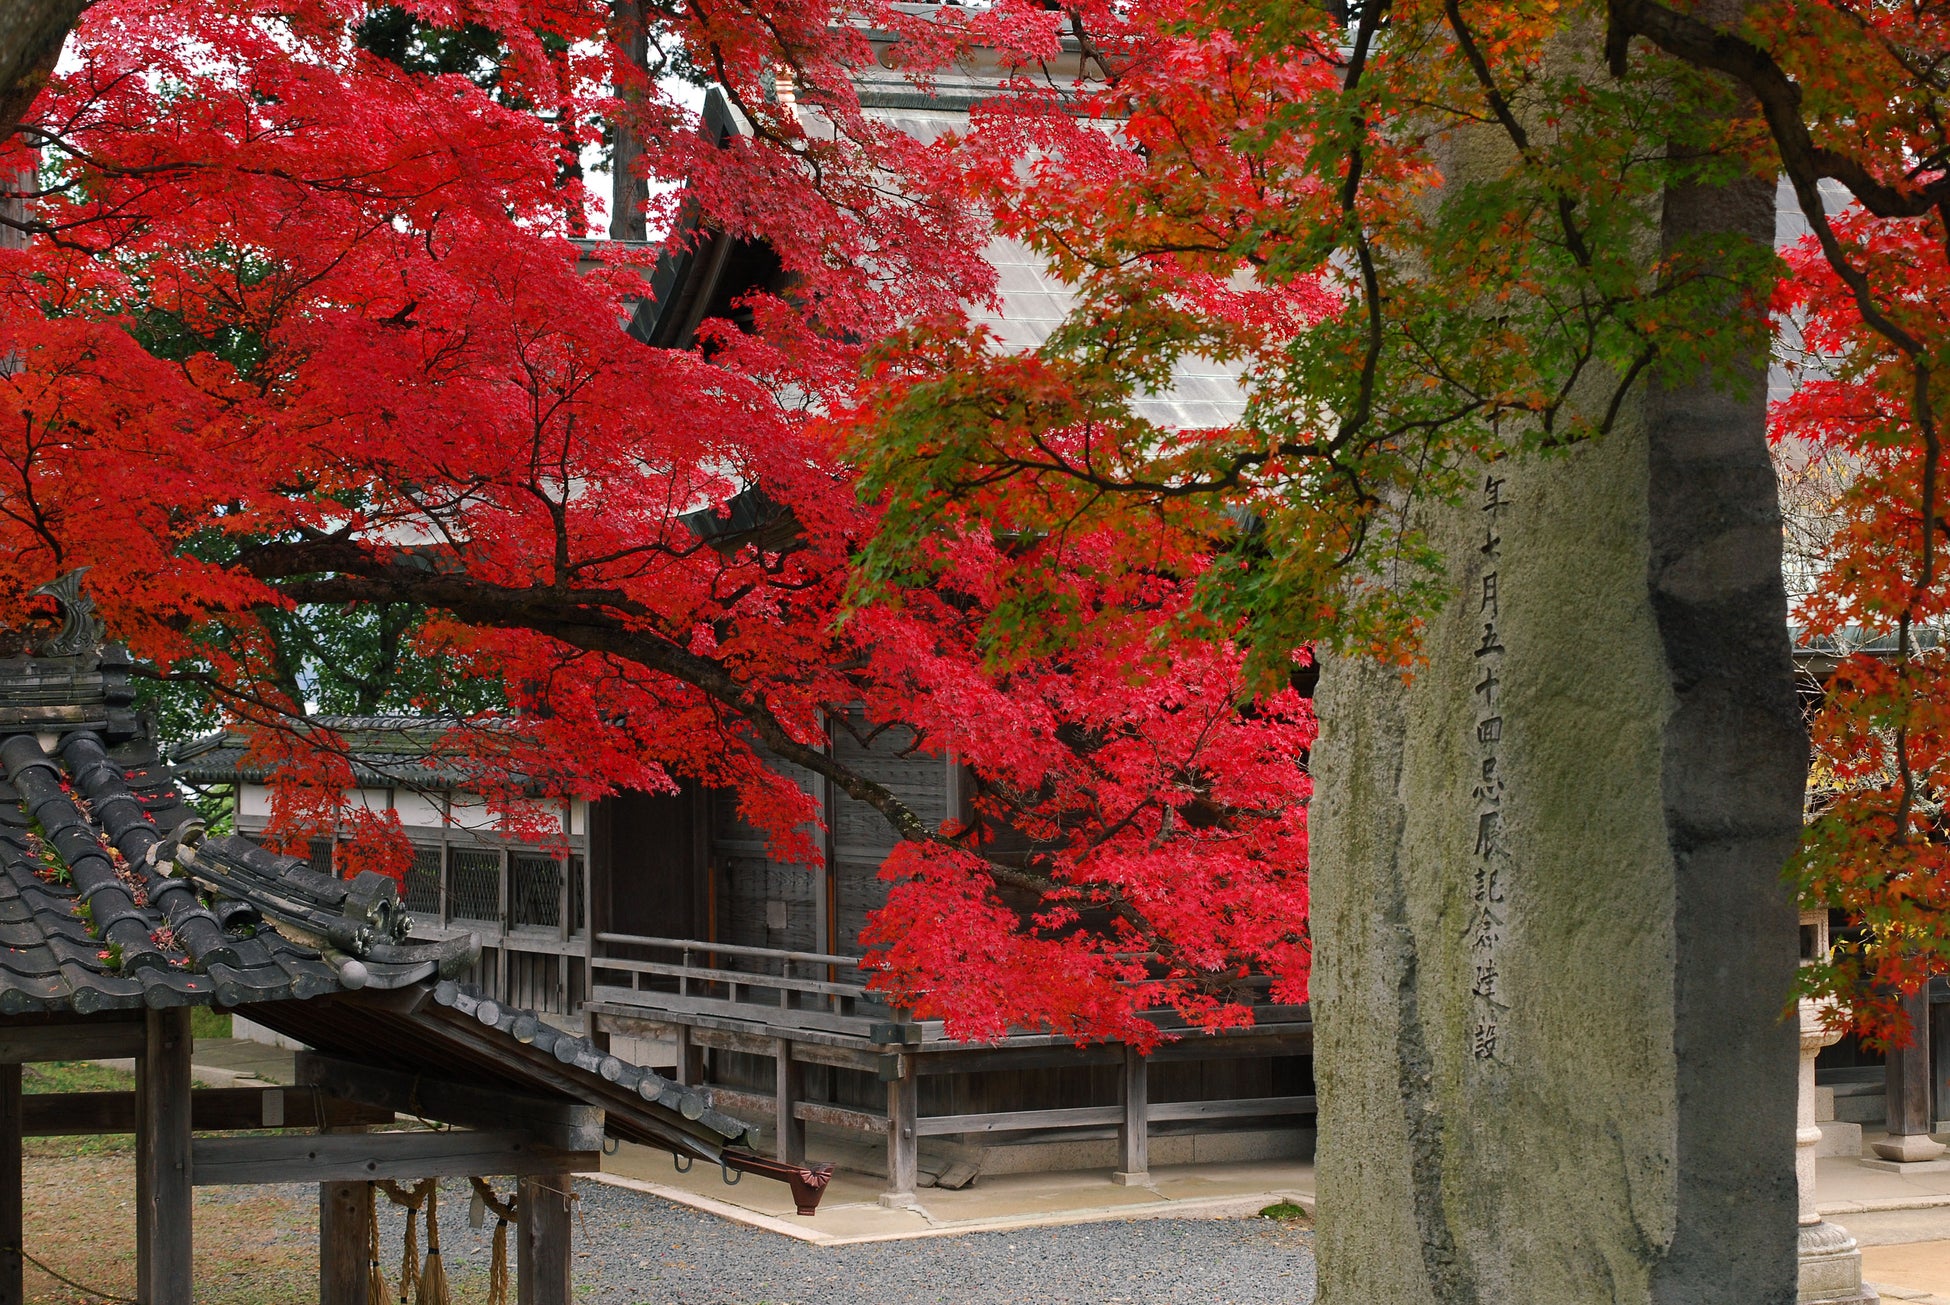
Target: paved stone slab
(851, 1211)
(1918, 1267)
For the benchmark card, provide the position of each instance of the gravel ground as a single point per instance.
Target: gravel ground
(634, 1249)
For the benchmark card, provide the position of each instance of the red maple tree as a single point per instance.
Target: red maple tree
(298, 327)
(1282, 191)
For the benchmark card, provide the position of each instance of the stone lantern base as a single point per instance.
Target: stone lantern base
(1831, 1268)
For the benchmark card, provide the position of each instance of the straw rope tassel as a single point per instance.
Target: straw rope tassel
(504, 1211)
(376, 1288)
(498, 1267)
(409, 1263)
(412, 1199)
(433, 1276)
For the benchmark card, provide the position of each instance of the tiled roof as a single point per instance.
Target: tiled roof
(382, 750)
(111, 897)
(458, 1032)
(1031, 302)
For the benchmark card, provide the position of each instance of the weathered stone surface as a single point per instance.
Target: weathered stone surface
(1552, 940)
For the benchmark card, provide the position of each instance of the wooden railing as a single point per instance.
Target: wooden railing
(813, 1008)
(811, 990)
(791, 991)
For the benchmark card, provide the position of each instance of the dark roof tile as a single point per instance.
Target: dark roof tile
(111, 899)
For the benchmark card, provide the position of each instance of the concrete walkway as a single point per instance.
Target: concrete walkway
(1901, 1221)
(851, 1212)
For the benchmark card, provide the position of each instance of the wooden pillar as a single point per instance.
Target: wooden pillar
(1907, 1079)
(344, 1244)
(162, 1160)
(1134, 1133)
(12, 1289)
(1906, 1085)
(1940, 1061)
(543, 1253)
(792, 1129)
(690, 1058)
(903, 1107)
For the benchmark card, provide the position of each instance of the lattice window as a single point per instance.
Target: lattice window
(423, 881)
(535, 893)
(321, 855)
(474, 884)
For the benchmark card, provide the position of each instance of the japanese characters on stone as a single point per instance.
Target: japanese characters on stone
(1487, 859)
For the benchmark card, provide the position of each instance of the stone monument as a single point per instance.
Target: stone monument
(1553, 943)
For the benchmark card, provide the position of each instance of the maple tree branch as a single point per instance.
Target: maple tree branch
(599, 621)
(1567, 207)
(1807, 165)
(1358, 126)
(1706, 46)
(596, 621)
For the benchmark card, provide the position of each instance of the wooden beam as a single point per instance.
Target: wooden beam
(1241, 1108)
(937, 1060)
(1243, 1043)
(94, 1040)
(1017, 1121)
(750, 1044)
(344, 1245)
(629, 1010)
(734, 1101)
(348, 1157)
(162, 1155)
(543, 1256)
(64, 1114)
(12, 1287)
(1134, 1129)
(559, 1122)
(863, 1121)
(812, 1053)
(791, 1129)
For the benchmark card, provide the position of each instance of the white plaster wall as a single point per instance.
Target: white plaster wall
(418, 811)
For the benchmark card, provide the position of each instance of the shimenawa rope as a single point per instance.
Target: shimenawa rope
(504, 1213)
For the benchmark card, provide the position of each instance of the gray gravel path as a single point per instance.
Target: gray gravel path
(634, 1249)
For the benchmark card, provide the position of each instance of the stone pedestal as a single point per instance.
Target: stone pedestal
(1831, 1268)
(1908, 1149)
(1830, 1262)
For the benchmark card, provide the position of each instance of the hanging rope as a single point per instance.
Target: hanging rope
(570, 1197)
(412, 1198)
(96, 1292)
(433, 1275)
(505, 1212)
(376, 1289)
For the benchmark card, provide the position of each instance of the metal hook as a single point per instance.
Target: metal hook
(726, 1170)
(611, 1145)
(683, 1163)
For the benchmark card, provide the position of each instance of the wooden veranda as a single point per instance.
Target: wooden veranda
(812, 1011)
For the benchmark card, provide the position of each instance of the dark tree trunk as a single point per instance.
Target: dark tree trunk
(628, 191)
(31, 35)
